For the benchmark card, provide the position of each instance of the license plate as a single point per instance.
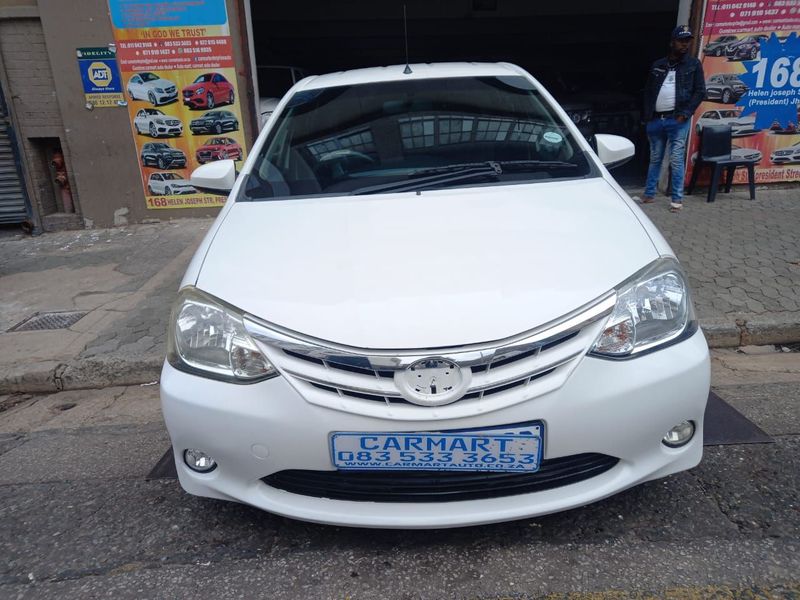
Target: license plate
(515, 449)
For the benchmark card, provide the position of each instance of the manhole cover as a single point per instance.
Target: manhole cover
(49, 320)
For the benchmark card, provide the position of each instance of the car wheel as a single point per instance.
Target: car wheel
(718, 52)
(210, 100)
(726, 96)
(168, 191)
(136, 127)
(753, 53)
(150, 191)
(218, 128)
(239, 156)
(162, 164)
(153, 132)
(223, 156)
(152, 98)
(230, 97)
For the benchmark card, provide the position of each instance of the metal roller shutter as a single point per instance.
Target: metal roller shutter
(12, 191)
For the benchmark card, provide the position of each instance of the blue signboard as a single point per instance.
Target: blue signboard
(102, 84)
(136, 14)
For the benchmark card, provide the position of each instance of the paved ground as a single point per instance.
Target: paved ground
(78, 519)
(742, 257)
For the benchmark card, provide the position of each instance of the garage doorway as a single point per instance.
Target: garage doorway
(593, 56)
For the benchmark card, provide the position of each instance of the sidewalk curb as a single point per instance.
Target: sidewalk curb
(96, 373)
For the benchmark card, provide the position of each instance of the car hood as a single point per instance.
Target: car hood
(194, 86)
(178, 183)
(443, 268)
(162, 83)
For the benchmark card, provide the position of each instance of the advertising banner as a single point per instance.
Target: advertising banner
(751, 60)
(179, 78)
(100, 76)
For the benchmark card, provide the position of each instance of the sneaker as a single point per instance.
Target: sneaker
(675, 206)
(645, 200)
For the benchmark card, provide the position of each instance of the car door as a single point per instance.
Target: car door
(157, 183)
(218, 88)
(135, 87)
(140, 121)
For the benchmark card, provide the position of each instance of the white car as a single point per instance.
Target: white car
(168, 184)
(740, 153)
(156, 124)
(739, 125)
(425, 304)
(149, 86)
(790, 154)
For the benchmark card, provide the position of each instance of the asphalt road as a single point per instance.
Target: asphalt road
(79, 520)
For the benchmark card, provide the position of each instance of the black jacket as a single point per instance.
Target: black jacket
(690, 86)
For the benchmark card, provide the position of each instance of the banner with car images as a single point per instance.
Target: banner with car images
(179, 78)
(751, 60)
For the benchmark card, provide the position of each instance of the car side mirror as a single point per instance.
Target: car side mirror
(216, 177)
(614, 150)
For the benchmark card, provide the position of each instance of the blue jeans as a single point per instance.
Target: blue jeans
(667, 135)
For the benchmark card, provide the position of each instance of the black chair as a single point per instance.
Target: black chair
(715, 151)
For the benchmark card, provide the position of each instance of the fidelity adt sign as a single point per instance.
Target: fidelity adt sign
(102, 85)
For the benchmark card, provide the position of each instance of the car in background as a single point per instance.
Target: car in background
(208, 91)
(726, 88)
(149, 86)
(163, 156)
(156, 124)
(168, 184)
(215, 121)
(511, 337)
(739, 125)
(786, 155)
(747, 48)
(273, 82)
(218, 148)
(719, 45)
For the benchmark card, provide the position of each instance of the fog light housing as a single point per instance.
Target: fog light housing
(199, 461)
(679, 435)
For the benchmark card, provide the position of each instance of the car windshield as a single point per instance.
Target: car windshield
(403, 135)
(148, 76)
(728, 114)
(203, 78)
(152, 111)
(171, 176)
(160, 146)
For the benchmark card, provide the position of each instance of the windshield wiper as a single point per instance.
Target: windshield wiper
(441, 176)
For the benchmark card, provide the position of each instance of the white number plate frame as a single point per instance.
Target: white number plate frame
(516, 449)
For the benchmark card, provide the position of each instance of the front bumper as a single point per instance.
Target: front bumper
(617, 408)
(201, 127)
(195, 101)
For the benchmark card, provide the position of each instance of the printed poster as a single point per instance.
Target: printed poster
(179, 78)
(102, 86)
(751, 60)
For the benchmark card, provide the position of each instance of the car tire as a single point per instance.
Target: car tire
(130, 93)
(136, 127)
(230, 97)
(753, 53)
(168, 191)
(239, 156)
(162, 164)
(152, 98)
(718, 52)
(217, 128)
(210, 100)
(151, 191)
(153, 132)
(726, 96)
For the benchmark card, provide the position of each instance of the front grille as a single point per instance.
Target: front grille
(204, 154)
(187, 94)
(170, 90)
(436, 486)
(173, 123)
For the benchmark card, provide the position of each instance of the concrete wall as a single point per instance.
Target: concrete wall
(45, 92)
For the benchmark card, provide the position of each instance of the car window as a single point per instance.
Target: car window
(170, 176)
(203, 78)
(149, 77)
(343, 139)
(155, 177)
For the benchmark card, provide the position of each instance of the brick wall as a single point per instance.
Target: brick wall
(31, 95)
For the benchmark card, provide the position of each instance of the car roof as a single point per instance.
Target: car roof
(418, 71)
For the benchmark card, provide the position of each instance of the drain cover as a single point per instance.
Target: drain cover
(49, 320)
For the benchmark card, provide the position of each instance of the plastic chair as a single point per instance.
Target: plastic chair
(715, 151)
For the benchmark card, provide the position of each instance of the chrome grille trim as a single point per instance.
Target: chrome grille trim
(531, 357)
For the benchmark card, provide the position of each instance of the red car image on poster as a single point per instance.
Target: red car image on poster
(218, 148)
(207, 91)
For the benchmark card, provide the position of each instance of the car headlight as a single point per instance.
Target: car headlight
(653, 309)
(200, 90)
(160, 90)
(159, 121)
(207, 337)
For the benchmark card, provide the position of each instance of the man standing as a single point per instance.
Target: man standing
(675, 87)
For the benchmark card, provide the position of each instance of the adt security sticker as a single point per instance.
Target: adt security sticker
(102, 85)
